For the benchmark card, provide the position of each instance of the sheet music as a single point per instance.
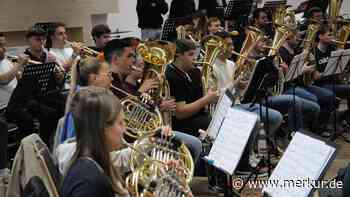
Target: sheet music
(295, 67)
(222, 106)
(304, 159)
(234, 133)
(333, 63)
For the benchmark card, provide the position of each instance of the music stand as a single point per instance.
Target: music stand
(336, 65)
(41, 73)
(238, 11)
(169, 28)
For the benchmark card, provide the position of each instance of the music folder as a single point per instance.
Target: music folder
(337, 62)
(302, 165)
(231, 140)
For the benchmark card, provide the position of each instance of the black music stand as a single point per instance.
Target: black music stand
(336, 66)
(169, 29)
(238, 11)
(294, 71)
(42, 74)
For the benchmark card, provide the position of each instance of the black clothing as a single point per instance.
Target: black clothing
(187, 88)
(287, 57)
(121, 84)
(321, 64)
(3, 143)
(212, 7)
(86, 178)
(182, 8)
(96, 49)
(149, 13)
(42, 58)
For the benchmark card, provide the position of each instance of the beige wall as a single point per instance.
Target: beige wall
(18, 15)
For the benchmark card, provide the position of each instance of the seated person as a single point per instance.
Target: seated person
(186, 87)
(91, 172)
(121, 57)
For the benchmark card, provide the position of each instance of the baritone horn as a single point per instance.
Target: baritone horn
(158, 54)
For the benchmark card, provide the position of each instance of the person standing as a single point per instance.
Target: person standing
(149, 13)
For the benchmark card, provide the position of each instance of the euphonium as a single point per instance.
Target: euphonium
(333, 12)
(343, 35)
(244, 66)
(307, 47)
(285, 23)
(212, 47)
(158, 54)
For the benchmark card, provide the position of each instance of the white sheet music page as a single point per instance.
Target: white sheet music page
(292, 70)
(232, 139)
(333, 62)
(299, 168)
(345, 59)
(223, 105)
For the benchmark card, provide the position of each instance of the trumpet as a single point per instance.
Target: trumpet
(86, 50)
(15, 58)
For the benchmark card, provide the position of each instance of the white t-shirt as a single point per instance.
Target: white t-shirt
(62, 55)
(6, 89)
(223, 72)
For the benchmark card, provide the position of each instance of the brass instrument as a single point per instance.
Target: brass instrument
(15, 58)
(85, 50)
(140, 119)
(285, 24)
(308, 45)
(149, 161)
(212, 47)
(158, 54)
(343, 36)
(333, 12)
(244, 67)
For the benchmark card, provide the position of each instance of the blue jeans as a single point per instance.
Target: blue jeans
(341, 90)
(310, 106)
(295, 107)
(325, 100)
(193, 144)
(151, 34)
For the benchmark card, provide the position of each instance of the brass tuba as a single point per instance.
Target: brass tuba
(158, 54)
(285, 24)
(333, 12)
(244, 65)
(308, 45)
(343, 35)
(212, 47)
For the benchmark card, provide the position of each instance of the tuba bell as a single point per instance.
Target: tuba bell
(158, 54)
(212, 47)
(244, 65)
(308, 44)
(285, 23)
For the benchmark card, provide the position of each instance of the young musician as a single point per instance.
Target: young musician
(214, 25)
(223, 71)
(295, 107)
(121, 57)
(312, 93)
(20, 99)
(322, 53)
(101, 35)
(99, 125)
(56, 44)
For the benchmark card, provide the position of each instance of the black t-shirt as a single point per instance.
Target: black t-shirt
(85, 178)
(42, 58)
(321, 64)
(287, 57)
(185, 87)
